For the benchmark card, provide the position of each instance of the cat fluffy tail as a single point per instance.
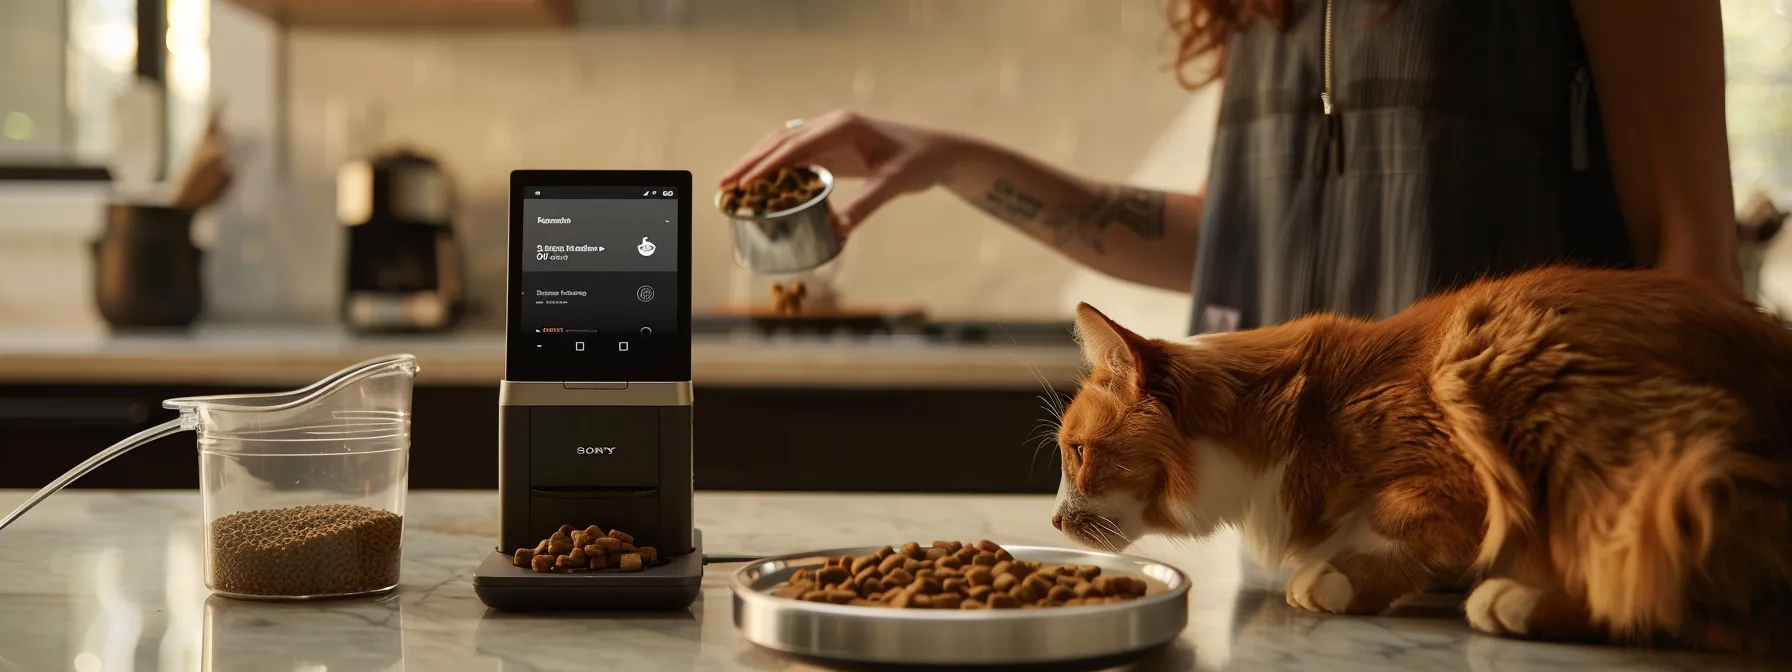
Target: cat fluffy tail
(1692, 540)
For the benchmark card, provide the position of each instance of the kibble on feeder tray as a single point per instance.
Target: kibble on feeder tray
(573, 550)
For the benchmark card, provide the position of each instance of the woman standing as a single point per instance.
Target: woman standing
(1369, 153)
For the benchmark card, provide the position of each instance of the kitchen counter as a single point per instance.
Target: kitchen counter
(94, 581)
(295, 356)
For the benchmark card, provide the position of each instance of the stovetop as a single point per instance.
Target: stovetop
(976, 332)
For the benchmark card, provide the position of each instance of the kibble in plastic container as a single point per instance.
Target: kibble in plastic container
(304, 492)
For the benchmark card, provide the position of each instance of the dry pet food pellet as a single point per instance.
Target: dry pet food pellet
(324, 549)
(1005, 582)
(631, 562)
(523, 557)
(980, 576)
(833, 574)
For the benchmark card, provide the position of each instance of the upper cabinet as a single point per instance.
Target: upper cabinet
(420, 13)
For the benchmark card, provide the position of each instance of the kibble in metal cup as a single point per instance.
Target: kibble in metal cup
(788, 241)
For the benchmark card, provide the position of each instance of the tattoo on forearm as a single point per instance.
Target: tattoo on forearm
(1140, 211)
(1011, 204)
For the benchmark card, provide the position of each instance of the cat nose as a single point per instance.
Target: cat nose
(1058, 522)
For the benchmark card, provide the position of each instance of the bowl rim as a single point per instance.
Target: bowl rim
(827, 189)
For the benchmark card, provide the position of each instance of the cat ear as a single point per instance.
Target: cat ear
(1107, 345)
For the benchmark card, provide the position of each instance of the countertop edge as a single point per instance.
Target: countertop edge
(717, 365)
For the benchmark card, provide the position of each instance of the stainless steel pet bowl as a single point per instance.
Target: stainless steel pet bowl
(954, 637)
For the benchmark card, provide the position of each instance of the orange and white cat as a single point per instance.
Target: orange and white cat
(1599, 454)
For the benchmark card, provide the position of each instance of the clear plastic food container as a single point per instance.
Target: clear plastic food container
(304, 491)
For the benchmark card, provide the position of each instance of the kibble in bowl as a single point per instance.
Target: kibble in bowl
(956, 575)
(781, 225)
(773, 195)
(970, 603)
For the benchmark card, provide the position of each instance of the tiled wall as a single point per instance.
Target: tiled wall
(1082, 83)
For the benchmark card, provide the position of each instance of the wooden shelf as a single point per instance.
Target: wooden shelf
(414, 13)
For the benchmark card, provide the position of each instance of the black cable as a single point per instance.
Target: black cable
(725, 559)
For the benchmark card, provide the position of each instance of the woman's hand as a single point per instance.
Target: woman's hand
(893, 159)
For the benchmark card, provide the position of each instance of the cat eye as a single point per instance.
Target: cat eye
(1078, 449)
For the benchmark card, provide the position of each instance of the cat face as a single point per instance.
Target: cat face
(1124, 460)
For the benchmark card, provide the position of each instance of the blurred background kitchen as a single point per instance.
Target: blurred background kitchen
(271, 120)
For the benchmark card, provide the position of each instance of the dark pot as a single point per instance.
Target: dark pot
(146, 268)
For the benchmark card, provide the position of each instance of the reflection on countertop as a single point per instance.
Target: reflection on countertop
(112, 581)
(284, 355)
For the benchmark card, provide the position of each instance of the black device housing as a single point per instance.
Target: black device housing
(616, 454)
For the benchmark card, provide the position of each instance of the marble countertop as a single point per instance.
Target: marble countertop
(284, 355)
(100, 581)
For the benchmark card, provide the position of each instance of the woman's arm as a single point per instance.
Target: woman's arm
(1659, 69)
(1141, 235)
(1145, 236)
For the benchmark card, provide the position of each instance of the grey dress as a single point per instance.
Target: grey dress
(1464, 141)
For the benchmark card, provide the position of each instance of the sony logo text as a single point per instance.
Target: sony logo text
(597, 450)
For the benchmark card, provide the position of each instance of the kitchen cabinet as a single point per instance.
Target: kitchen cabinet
(414, 13)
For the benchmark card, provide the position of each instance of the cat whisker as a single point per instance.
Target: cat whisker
(1107, 524)
(1042, 443)
(1101, 539)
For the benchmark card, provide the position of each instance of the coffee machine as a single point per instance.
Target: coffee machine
(595, 409)
(403, 271)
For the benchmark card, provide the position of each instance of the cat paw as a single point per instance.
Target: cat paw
(1502, 607)
(1320, 587)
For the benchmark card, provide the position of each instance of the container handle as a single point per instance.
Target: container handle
(104, 456)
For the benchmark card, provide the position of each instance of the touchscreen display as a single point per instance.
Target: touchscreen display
(599, 276)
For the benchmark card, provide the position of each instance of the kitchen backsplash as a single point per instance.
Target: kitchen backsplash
(1080, 83)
